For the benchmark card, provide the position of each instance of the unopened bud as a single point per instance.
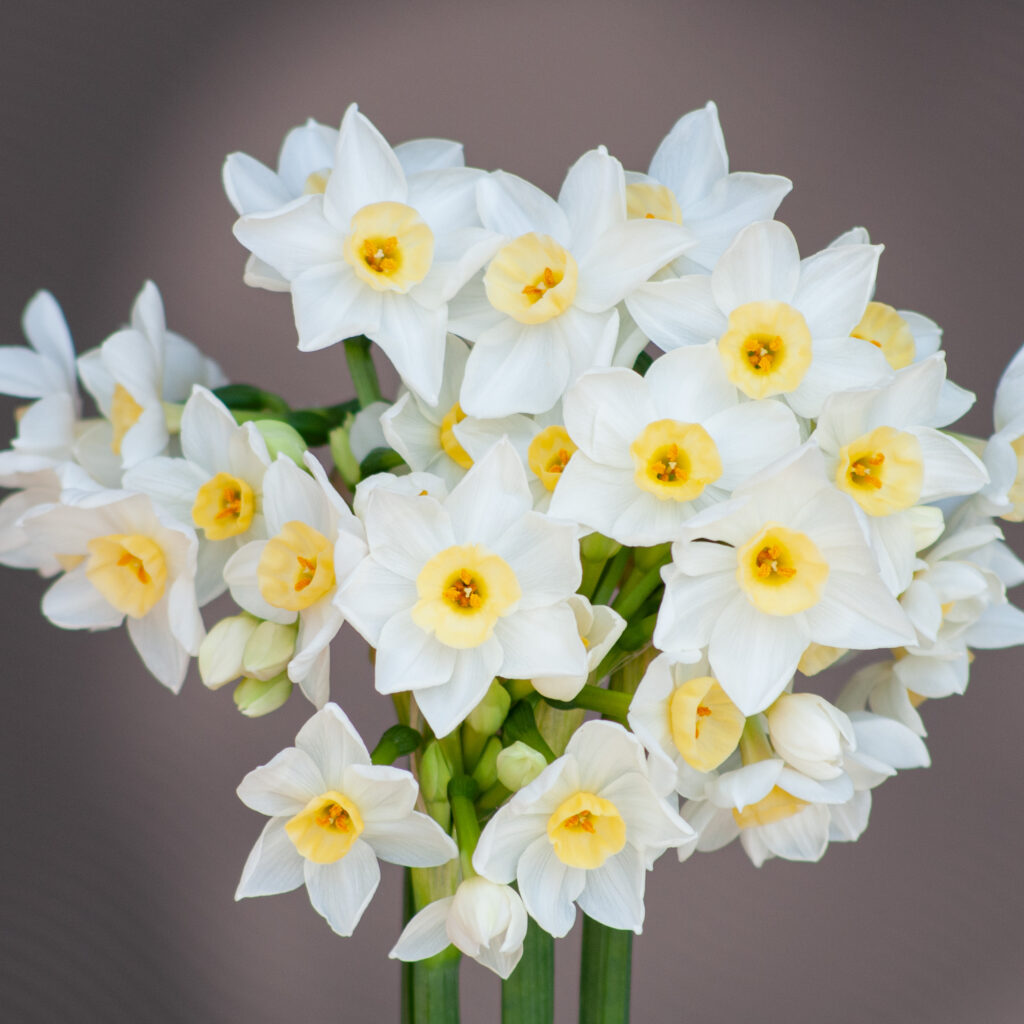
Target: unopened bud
(435, 773)
(341, 452)
(596, 547)
(518, 765)
(485, 774)
(269, 650)
(220, 654)
(256, 697)
(282, 439)
(810, 734)
(487, 717)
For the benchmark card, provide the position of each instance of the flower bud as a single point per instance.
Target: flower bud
(596, 547)
(518, 765)
(282, 439)
(435, 774)
(489, 715)
(341, 452)
(220, 654)
(648, 558)
(256, 697)
(485, 774)
(487, 921)
(810, 734)
(269, 649)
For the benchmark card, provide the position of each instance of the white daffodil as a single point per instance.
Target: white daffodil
(689, 183)
(134, 372)
(303, 167)
(1004, 452)
(782, 324)
(376, 253)
(759, 578)
(882, 450)
(957, 601)
(314, 543)
(682, 715)
(332, 815)
(585, 831)
(655, 449)
(878, 688)
(217, 486)
(459, 590)
(544, 309)
(428, 435)
(484, 920)
(599, 627)
(123, 560)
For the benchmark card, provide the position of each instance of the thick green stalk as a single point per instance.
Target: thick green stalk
(605, 972)
(610, 577)
(462, 791)
(636, 590)
(364, 373)
(528, 994)
(596, 698)
(408, 909)
(435, 988)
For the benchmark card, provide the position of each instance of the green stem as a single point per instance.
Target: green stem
(435, 988)
(605, 969)
(527, 995)
(592, 569)
(364, 373)
(610, 577)
(462, 791)
(636, 591)
(408, 909)
(596, 698)
(491, 799)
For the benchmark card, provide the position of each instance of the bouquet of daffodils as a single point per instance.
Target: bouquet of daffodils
(649, 474)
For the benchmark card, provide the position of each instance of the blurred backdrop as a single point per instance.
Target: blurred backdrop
(123, 838)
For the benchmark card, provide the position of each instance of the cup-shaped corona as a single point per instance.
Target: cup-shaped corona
(325, 829)
(882, 471)
(463, 591)
(224, 507)
(296, 567)
(767, 349)
(389, 246)
(532, 279)
(675, 461)
(776, 806)
(549, 453)
(887, 330)
(705, 725)
(586, 830)
(449, 442)
(648, 199)
(781, 571)
(129, 570)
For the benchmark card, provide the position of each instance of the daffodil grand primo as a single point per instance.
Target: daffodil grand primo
(645, 463)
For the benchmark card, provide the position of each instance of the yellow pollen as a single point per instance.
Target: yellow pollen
(761, 351)
(135, 566)
(767, 348)
(326, 828)
(862, 469)
(335, 816)
(585, 830)
(307, 570)
(129, 570)
(781, 571)
(675, 461)
(465, 591)
(546, 280)
(224, 507)
(296, 568)
(581, 820)
(549, 453)
(882, 471)
(379, 254)
(768, 563)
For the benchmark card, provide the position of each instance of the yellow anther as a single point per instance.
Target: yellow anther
(580, 821)
(465, 591)
(768, 563)
(133, 563)
(231, 503)
(379, 254)
(547, 280)
(307, 570)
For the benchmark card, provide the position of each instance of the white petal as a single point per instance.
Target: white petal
(762, 265)
(371, 596)
(690, 384)
(418, 155)
(835, 286)
(341, 891)
(604, 751)
(692, 157)
(548, 887)
(445, 706)
(331, 741)
(541, 641)
(416, 841)
(413, 338)
(293, 239)
(284, 785)
(504, 839)
(72, 602)
(382, 793)
(605, 410)
(47, 332)
(425, 934)
(331, 304)
(677, 312)
(408, 658)
(544, 555)
(838, 365)
(593, 197)
(614, 892)
(160, 650)
(512, 206)
(274, 865)
(650, 823)
(747, 785)
(490, 498)
(691, 607)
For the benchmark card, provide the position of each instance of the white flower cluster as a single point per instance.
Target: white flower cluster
(546, 521)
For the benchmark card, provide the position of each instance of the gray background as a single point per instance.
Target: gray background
(123, 839)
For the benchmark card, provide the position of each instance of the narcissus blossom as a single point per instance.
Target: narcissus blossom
(585, 831)
(332, 815)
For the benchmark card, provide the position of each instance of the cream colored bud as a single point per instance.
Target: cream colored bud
(810, 734)
(519, 765)
(220, 654)
(256, 697)
(488, 921)
(268, 650)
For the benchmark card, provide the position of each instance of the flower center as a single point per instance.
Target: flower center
(887, 330)
(586, 830)
(463, 591)
(326, 828)
(781, 571)
(389, 246)
(652, 201)
(767, 349)
(706, 726)
(124, 414)
(449, 442)
(882, 471)
(296, 568)
(549, 453)
(675, 461)
(532, 279)
(129, 570)
(776, 806)
(224, 507)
